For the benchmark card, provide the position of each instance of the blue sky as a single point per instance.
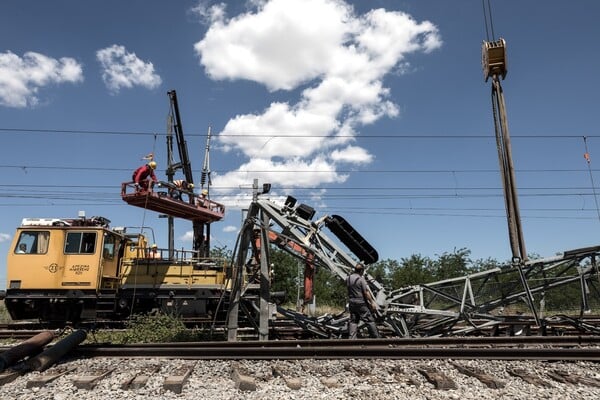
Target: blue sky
(377, 111)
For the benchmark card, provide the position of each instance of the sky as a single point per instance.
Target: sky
(377, 111)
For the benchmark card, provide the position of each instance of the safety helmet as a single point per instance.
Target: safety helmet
(154, 246)
(152, 164)
(190, 185)
(205, 192)
(359, 267)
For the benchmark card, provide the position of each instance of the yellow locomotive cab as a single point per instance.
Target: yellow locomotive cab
(57, 267)
(81, 269)
(52, 257)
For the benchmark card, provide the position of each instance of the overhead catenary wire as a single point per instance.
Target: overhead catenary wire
(23, 190)
(588, 161)
(92, 197)
(288, 135)
(290, 171)
(488, 19)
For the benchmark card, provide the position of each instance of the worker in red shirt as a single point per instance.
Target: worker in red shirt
(141, 175)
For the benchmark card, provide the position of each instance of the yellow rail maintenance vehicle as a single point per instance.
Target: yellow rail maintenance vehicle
(81, 269)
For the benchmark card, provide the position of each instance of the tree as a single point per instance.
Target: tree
(451, 265)
(413, 270)
(221, 252)
(285, 273)
(329, 289)
(380, 271)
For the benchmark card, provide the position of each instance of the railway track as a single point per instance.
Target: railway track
(549, 349)
(314, 367)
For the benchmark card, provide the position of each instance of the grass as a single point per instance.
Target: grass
(4, 315)
(152, 328)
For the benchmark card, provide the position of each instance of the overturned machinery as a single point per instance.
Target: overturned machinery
(472, 304)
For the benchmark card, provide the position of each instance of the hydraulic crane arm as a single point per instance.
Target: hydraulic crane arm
(201, 229)
(184, 160)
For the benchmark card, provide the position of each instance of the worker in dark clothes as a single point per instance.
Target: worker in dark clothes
(180, 187)
(202, 200)
(360, 303)
(144, 175)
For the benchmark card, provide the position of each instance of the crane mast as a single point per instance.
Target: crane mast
(201, 242)
(494, 66)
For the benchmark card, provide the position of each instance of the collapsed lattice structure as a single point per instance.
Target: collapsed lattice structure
(464, 305)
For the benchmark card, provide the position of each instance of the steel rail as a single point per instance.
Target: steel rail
(339, 351)
(18, 334)
(456, 341)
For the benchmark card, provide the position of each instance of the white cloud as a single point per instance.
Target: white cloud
(230, 228)
(4, 237)
(296, 170)
(283, 44)
(207, 12)
(22, 78)
(187, 236)
(121, 69)
(352, 154)
(335, 58)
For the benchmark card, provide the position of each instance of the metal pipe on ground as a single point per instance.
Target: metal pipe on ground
(53, 354)
(31, 346)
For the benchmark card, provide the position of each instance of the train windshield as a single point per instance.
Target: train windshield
(33, 242)
(80, 242)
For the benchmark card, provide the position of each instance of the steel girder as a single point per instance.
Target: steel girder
(462, 305)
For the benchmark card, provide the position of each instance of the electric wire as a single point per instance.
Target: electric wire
(93, 197)
(588, 160)
(298, 171)
(488, 18)
(292, 135)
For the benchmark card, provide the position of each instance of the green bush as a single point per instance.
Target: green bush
(154, 328)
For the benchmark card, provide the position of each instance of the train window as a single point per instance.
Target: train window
(33, 242)
(80, 242)
(109, 247)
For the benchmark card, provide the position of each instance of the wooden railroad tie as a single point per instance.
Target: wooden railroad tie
(242, 382)
(89, 381)
(42, 380)
(566, 377)
(140, 379)
(529, 377)
(175, 382)
(484, 378)
(292, 383)
(438, 379)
